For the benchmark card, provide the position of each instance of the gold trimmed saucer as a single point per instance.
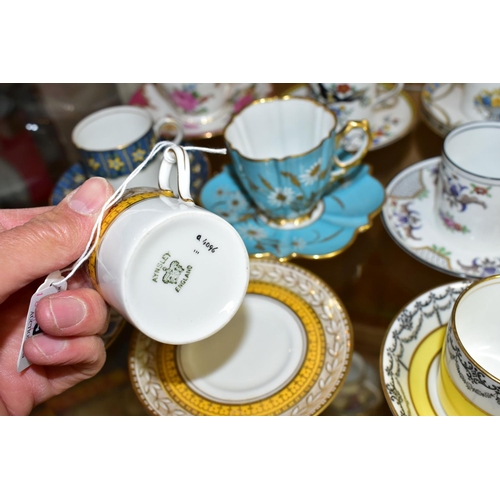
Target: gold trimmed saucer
(286, 352)
(441, 106)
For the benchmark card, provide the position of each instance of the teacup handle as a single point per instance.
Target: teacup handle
(367, 142)
(172, 155)
(398, 87)
(169, 120)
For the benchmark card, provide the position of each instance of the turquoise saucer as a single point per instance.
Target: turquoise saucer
(75, 176)
(347, 210)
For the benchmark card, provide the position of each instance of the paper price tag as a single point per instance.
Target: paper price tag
(31, 327)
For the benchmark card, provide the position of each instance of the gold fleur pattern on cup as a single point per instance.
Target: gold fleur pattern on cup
(138, 155)
(93, 164)
(115, 164)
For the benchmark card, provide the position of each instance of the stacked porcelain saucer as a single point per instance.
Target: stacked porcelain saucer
(449, 105)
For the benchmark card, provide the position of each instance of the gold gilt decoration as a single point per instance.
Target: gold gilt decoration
(115, 164)
(275, 404)
(138, 155)
(94, 165)
(131, 197)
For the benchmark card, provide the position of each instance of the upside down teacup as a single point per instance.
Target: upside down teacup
(174, 270)
(287, 154)
(469, 370)
(467, 202)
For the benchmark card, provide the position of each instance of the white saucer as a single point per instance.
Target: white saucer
(159, 108)
(391, 122)
(441, 106)
(286, 352)
(408, 216)
(409, 360)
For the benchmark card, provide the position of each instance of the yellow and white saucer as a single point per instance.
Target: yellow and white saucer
(286, 352)
(410, 354)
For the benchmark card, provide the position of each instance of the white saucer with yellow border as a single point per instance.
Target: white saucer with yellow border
(286, 352)
(409, 358)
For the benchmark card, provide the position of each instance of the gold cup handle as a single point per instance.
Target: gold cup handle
(360, 154)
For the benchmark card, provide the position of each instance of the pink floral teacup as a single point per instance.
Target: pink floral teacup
(201, 103)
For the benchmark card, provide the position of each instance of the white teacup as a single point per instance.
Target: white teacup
(469, 378)
(200, 103)
(174, 270)
(481, 101)
(113, 141)
(353, 101)
(467, 203)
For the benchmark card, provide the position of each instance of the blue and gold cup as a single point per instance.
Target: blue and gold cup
(112, 142)
(287, 155)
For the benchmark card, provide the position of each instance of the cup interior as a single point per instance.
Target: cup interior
(112, 128)
(476, 323)
(475, 149)
(279, 128)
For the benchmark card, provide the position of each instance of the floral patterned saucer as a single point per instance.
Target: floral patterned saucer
(151, 98)
(392, 121)
(409, 359)
(343, 213)
(441, 106)
(286, 352)
(409, 218)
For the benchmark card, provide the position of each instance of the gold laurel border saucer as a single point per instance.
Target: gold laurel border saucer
(158, 382)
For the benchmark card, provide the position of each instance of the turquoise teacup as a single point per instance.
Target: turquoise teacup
(287, 155)
(112, 142)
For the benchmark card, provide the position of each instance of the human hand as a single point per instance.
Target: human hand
(33, 243)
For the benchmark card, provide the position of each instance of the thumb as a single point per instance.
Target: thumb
(51, 240)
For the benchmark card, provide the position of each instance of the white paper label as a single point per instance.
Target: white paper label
(31, 328)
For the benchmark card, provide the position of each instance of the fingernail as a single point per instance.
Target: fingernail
(89, 198)
(48, 345)
(67, 311)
